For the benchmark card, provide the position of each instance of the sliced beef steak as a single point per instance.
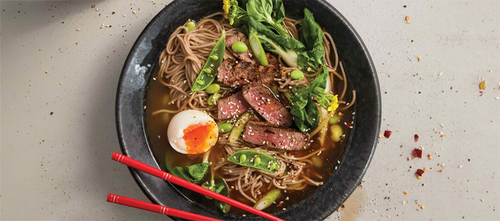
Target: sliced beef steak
(262, 133)
(271, 60)
(244, 56)
(263, 101)
(231, 106)
(235, 73)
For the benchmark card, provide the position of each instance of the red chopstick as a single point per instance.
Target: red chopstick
(188, 185)
(156, 208)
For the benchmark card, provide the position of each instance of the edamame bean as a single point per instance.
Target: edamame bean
(213, 99)
(190, 26)
(225, 127)
(297, 75)
(239, 47)
(335, 119)
(336, 132)
(213, 88)
(207, 70)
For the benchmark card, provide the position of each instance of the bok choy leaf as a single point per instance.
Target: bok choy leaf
(271, 12)
(312, 34)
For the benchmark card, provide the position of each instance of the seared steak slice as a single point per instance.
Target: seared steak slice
(262, 133)
(263, 101)
(231, 106)
(271, 60)
(244, 56)
(234, 73)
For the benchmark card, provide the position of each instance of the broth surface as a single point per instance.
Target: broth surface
(157, 97)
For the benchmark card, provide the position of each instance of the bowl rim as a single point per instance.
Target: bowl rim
(139, 176)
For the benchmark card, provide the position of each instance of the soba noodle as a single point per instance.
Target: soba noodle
(181, 61)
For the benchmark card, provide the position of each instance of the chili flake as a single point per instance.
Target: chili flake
(419, 172)
(417, 153)
(406, 192)
(442, 135)
(387, 133)
(429, 156)
(349, 125)
(441, 170)
(416, 137)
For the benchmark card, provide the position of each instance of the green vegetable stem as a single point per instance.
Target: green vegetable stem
(268, 199)
(209, 70)
(257, 49)
(238, 127)
(255, 159)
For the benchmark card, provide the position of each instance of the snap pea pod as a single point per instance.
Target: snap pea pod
(267, 200)
(209, 70)
(255, 159)
(238, 127)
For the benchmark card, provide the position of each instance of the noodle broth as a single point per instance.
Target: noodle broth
(158, 98)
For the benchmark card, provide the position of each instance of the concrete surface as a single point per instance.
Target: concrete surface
(59, 73)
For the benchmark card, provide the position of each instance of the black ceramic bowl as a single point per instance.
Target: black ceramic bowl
(361, 77)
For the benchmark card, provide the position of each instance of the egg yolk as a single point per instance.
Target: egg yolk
(199, 137)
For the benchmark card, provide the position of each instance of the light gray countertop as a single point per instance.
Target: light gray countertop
(59, 74)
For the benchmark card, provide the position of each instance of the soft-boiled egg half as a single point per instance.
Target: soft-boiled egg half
(192, 132)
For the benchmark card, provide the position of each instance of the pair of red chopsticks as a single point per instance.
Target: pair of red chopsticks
(178, 181)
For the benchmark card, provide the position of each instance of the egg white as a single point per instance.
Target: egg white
(181, 121)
